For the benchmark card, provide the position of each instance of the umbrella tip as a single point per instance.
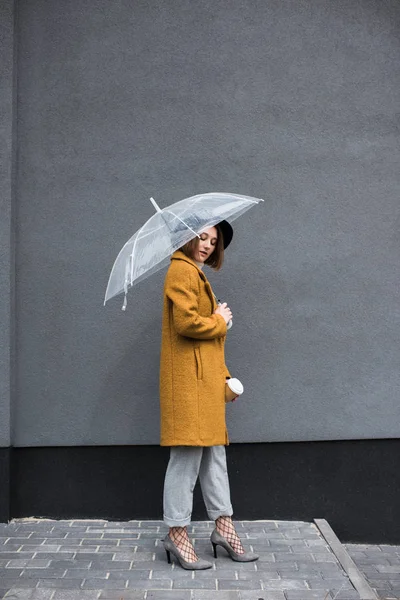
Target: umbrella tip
(154, 203)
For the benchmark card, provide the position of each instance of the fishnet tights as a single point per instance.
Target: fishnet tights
(181, 540)
(226, 528)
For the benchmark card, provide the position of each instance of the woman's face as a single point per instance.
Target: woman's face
(206, 244)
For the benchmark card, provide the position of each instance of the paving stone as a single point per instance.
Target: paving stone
(296, 557)
(84, 574)
(237, 566)
(54, 555)
(104, 584)
(381, 576)
(10, 572)
(372, 560)
(132, 574)
(266, 557)
(284, 584)
(110, 565)
(69, 584)
(84, 549)
(55, 533)
(169, 595)
(151, 564)
(42, 548)
(209, 573)
(271, 570)
(320, 559)
(3, 562)
(388, 569)
(137, 557)
(29, 563)
(68, 564)
(7, 527)
(250, 575)
(323, 568)
(220, 595)
(35, 528)
(287, 565)
(11, 547)
(95, 542)
(86, 523)
(24, 594)
(88, 557)
(141, 555)
(20, 583)
(72, 542)
(264, 595)
(150, 584)
(122, 548)
(131, 537)
(308, 595)
(235, 584)
(337, 584)
(381, 584)
(205, 584)
(128, 595)
(10, 555)
(101, 531)
(74, 595)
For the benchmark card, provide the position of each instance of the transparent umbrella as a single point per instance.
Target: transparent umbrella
(150, 248)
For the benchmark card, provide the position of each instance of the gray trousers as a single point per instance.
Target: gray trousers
(186, 463)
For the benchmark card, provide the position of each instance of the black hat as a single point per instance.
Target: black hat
(227, 233)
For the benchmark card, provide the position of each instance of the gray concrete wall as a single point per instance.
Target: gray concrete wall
(6, 214)
(295, 102)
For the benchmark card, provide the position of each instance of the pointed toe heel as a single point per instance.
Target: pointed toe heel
(218, 540)
(197, 565)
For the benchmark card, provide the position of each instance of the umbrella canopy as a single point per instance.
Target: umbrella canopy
(150, 248)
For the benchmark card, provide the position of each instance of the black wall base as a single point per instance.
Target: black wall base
(355, 485)
(4, 485)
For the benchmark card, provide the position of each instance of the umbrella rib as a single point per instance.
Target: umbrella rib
(140, 231)
(185, 224)
(133, 249)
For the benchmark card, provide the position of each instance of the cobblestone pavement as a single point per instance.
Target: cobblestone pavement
(68, 560)
(380, 566)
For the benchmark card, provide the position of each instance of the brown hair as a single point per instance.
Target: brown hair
(216, 259)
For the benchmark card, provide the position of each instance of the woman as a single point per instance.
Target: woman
(192, 393)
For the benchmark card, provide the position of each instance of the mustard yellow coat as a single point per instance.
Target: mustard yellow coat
(192, 369)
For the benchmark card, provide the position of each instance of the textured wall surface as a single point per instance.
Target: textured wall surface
(293, 102)
(6, 177)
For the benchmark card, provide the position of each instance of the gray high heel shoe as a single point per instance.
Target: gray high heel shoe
(170, 548)
(218, 540)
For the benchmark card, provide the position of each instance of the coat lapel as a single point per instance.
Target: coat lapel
(178, 254)
(210, 293)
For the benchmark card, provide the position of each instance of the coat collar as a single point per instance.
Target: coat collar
(179, 255)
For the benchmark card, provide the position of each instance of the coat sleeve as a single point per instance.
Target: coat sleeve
(183, 293)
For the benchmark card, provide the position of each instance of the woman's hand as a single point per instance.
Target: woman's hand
(224, 311)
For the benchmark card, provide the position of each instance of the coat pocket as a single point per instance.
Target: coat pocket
(199, 364)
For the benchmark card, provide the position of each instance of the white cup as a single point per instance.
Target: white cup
(233, 389)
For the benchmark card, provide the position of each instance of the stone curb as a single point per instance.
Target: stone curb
(357, 579)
